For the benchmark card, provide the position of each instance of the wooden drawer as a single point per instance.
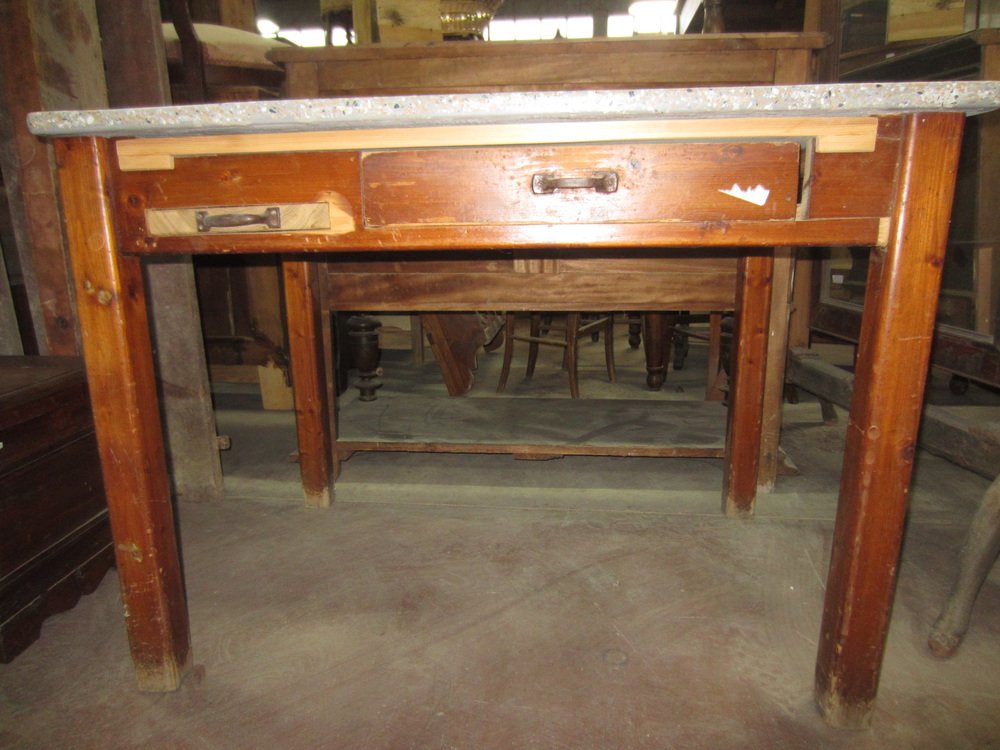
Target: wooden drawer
(581, 184)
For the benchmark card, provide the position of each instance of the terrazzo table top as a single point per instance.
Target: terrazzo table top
(353, 113)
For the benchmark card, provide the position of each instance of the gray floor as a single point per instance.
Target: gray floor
(456, 601)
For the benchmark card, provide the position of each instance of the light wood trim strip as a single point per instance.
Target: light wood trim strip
(295, 217)
(832, 134)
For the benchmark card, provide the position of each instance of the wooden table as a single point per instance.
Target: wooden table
(614, 173)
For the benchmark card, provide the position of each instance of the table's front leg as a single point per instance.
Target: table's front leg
(313, 407)
(746, 390)
(111, 302)
(891, 369)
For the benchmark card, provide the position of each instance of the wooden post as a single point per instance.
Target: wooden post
(10, 339)
(746, 392)
(313, 405)
(891, 370)
(132, 40)
(64, 36)
(118, 353)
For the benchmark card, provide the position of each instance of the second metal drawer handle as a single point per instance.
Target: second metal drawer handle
(601, 182)
(271, 218)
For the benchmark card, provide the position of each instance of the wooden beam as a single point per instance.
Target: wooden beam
(959, 435)
(49, 59)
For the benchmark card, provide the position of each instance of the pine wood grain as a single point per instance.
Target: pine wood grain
(891, 370)
(112, 308)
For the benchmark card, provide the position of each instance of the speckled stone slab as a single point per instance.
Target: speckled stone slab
(353, 113)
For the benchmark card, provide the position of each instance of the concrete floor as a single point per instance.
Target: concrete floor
(456, 601)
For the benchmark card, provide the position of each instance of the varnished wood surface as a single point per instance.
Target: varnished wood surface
(746, 391)
(681, 182)
(309, 377)
(534, 426)
(112, 308)
(891, 369)
(376, 211)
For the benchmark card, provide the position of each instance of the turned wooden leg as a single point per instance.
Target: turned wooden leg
(652, 343)
(312, 405)
(979, 553)
(896, 331)
(634, 330)
(111, 303)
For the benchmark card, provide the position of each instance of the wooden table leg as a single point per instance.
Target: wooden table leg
(313, 402)
(774, 379)
(891, 368)
(746, 389)
(111, 302)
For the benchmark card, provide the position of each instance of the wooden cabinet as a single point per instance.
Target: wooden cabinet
(56, 541)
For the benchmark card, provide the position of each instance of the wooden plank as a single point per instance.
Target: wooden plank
(118, 353)
(924, 19)
(540, 425)
(746, 392)
(963, 436)
(581, 48)
(402, 292)
(615, 68)
(891, 368)
(833, 135)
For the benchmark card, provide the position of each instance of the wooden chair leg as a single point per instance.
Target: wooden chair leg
(508, 352)
(572, 326)
(609, 348)
(536, 331)
(979, 553)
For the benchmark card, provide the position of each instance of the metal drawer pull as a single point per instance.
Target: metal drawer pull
(601, 182)
(271, 218)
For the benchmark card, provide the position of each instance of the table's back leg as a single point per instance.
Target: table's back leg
(746, 392)
(111, 302)
(891, 368)
(313, 405)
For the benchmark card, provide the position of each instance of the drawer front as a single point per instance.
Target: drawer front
(219, 202)
(581, 184)
(47, 499)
